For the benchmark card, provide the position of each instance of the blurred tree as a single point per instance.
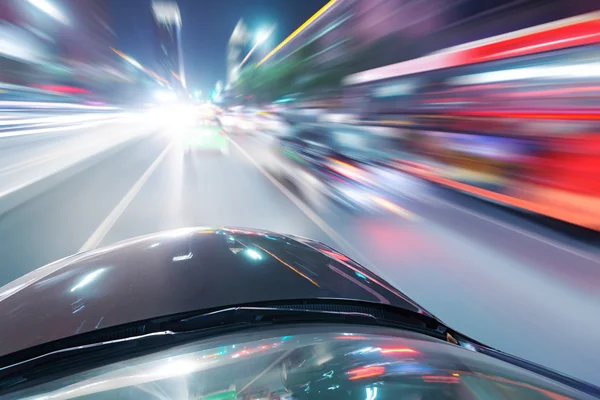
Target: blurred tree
(300, 72)
(268, 82)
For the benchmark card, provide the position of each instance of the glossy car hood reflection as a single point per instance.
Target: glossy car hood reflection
(178, 271)
(309, 362)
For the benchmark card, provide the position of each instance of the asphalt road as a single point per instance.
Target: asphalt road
(508, 280)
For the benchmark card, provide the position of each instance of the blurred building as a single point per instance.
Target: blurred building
(348, 36)
(85, 45)
(90, 36)
(235, 47)
(28, 49)
(167, 31)
(64, 46)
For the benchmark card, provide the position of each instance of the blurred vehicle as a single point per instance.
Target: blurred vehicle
(336, 165)
(512, 118)
(271, 124)
(241, 314)
(207, 111)
(240, 121)
(248, 122)
(229, 121)
(266, 121)
(206, 136)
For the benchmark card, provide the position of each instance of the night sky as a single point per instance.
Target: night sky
(206, 28)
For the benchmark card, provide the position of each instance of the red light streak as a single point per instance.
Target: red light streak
(561, 213)
(365, 372)
(566, 33)
(552, 92)
(337, 256)
(398, 350)
(544, 40)
(525, 115)
(62, 89)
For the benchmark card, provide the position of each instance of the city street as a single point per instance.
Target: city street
(506, 279)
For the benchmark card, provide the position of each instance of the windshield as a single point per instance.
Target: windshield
(342, 362)
(434, 156)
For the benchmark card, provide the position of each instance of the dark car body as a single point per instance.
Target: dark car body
(203, 272)
(174, 272)
(50, 315)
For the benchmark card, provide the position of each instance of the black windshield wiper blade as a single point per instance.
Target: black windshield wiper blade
(64, 361)
(207, 323)
(94, 349)
(270, 314)
(256, 315)
(238, 317)
(55, 364)
(196, 326)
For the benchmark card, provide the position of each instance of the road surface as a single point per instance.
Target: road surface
(500, 277)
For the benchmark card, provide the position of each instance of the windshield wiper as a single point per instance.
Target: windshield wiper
(90, 350)
(306, 312)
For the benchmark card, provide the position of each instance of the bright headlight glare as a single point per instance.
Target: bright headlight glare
(165, 96)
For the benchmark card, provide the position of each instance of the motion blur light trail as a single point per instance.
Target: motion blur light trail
(393, 208)
(366, 372)
(414, 116)
(486, 268)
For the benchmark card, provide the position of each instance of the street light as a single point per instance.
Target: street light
(165, 96)
(260, 38)
(49, 9)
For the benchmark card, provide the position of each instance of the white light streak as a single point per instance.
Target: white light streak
(253, 254)
(87, 279)
(49, 9)
(183, 257)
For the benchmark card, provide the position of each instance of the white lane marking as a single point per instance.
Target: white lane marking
(523, 232)
(114, 215)
(324, 226)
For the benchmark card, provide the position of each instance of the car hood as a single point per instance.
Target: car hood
(178, 271)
